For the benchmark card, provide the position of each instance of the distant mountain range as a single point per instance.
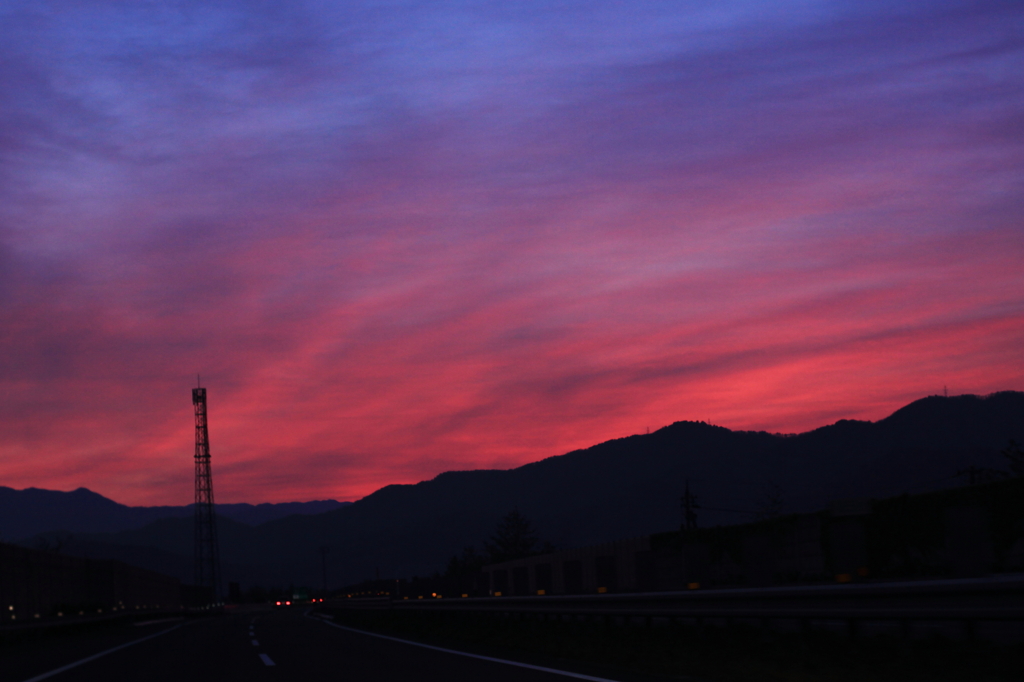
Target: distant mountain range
(24, 513)
(617, 489)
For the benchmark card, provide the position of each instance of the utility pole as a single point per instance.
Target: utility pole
(207, 552)
(323, 563)
(689, 504)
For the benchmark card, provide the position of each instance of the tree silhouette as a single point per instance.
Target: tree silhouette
(771, 503)
(1015, 458)
(976, 474)
(514, 538)
(1015, 455)
(462, 567)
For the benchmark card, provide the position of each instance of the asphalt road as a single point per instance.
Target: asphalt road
(267, 646)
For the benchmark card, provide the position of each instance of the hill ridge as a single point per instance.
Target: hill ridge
(620, 488)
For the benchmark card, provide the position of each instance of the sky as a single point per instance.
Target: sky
(399, 238)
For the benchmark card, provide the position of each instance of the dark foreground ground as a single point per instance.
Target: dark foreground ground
(255, 646)
(275, 646)
(736, 654)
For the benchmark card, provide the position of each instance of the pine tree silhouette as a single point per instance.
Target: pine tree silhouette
(514, 538)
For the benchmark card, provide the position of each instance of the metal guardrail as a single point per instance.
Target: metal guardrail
(998, 598)
(10, 632)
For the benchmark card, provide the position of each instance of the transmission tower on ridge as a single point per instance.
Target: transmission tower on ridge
(207, 571)
(689, 504)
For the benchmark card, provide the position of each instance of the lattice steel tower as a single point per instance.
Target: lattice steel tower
(207, 572)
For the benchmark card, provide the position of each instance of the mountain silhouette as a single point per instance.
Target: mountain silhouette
(24, 513)
(621, 488)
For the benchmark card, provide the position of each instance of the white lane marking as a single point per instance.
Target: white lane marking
(266, 659)
(553, 671)
(255, 642)
(102, 653)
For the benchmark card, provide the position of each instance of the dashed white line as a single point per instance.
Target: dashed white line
(266, 659)
(255, 642)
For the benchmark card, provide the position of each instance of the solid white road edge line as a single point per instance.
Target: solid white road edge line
(161, 620)
(553, 671)
(266, 659)
(69, 666)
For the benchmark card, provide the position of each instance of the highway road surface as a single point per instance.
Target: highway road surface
(264, 646)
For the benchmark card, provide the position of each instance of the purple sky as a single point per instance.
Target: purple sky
(400, 238)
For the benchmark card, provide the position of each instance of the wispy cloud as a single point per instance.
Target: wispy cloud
(398, 238)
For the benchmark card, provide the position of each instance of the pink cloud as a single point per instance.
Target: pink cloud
(390, 255)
